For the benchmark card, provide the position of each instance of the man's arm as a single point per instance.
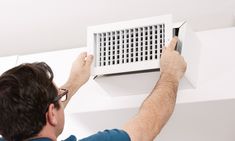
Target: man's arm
(79, 75)
(159, 105)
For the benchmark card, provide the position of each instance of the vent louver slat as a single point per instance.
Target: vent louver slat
(130, 45)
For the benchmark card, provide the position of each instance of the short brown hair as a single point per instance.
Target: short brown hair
(25, 92)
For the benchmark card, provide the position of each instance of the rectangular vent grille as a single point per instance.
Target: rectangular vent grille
(130, 45)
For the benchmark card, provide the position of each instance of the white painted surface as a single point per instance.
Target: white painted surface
(216, 72)
(40, 25)
(117, 94)
(204, 113)
(7, 63)
(60, 62)
(191, 50)
(204, 121)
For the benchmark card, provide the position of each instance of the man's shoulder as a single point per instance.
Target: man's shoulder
(108, 135)
(71, 138)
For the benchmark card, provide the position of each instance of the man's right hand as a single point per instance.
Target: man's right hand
(172, 62)
(157, 108)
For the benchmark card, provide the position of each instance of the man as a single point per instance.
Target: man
(32, 107)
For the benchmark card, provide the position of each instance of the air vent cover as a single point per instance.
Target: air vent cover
(129, 46)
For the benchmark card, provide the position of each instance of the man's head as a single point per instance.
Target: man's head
(29, 102)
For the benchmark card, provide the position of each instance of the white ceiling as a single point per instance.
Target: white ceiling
(28, 26)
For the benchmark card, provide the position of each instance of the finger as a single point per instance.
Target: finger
(173, 43)
(89, 60)
(164, 49)
(83, 55)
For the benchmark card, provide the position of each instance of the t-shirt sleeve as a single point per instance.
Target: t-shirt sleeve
(109, 135)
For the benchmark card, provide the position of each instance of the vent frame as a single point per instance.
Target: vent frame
(127, 64)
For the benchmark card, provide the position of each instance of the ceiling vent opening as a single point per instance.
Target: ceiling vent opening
(189, 46)
(136, 46)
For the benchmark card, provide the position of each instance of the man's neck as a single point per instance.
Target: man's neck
(46, 133)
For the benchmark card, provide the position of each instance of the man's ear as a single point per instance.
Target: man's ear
(52, 114)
